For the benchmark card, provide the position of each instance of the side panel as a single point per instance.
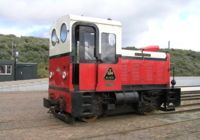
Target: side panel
(144, 72)
(104, 84)
(87, 79)
(92, 77)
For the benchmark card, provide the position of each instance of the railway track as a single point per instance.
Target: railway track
(190, 101)
(139, 129)
(13, 123)
(190, 95)
(190, 104)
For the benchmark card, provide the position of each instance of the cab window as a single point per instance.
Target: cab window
(108, 47)
(54, 38)
(86, 44)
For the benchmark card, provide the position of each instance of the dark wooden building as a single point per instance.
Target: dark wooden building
(22, 71)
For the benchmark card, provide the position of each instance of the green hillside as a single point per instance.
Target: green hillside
(30, 49)
(186, 62)
(35, 50)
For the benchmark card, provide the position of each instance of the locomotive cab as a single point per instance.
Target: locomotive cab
(90, 75)
(88, 42)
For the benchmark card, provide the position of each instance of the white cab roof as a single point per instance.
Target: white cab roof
(92, 20)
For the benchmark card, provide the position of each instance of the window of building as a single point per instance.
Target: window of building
(2, 69)
(108, 47)
(5, 69)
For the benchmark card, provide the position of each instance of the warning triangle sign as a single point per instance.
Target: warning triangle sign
(109, 75)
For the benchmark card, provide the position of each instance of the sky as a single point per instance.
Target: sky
(149, 22)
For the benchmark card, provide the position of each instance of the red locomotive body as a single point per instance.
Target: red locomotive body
(91, 75)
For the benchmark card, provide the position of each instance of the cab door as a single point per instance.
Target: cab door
(109, 70)
(85, 67)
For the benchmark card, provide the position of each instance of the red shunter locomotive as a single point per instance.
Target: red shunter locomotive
(91, 75)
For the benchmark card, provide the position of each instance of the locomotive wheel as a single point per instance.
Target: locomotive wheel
(89, 119)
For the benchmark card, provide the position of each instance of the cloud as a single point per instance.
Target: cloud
(180, 27)
(144, 22)
(182, 33)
